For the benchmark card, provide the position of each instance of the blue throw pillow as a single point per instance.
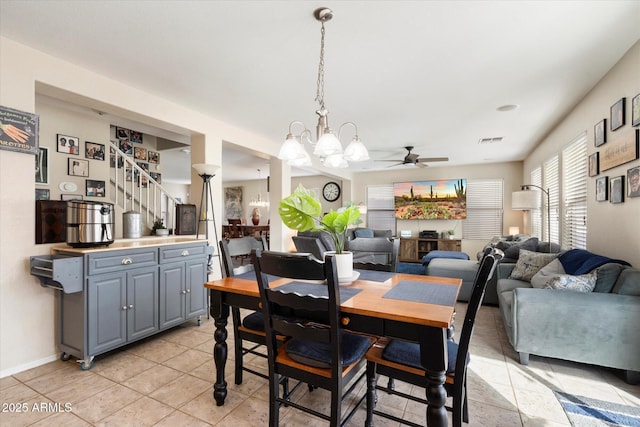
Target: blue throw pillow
(363, 232)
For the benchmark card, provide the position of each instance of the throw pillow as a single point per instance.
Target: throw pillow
(529, 263)
(584, 283)
(607, 276)
(546, 273)
(363, 232)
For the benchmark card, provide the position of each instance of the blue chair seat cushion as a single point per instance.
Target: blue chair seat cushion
(254, 321)
(318, 354)
(408, 353)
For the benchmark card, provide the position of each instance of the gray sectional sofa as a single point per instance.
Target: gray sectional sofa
(598, 327)
(466, 269)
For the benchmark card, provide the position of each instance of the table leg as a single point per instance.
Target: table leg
(434, 359)
(220, 313)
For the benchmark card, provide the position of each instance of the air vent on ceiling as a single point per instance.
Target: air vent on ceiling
(490, 140)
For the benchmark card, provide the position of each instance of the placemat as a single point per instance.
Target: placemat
(317, 290)
(375, 276)
(430, 293)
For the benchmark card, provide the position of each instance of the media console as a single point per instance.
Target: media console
(412, 249)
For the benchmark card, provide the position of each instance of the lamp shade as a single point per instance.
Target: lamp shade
(514, 230)
(327, 145)
(336, 161)
(526, 200)
(205, 169)
(291, 149)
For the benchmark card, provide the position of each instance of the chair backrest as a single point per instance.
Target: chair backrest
(311, 245)
(241, 246)
(487, 267)
(298, 314)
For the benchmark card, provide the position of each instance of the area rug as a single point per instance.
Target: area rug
(410, 268)
(587, 412)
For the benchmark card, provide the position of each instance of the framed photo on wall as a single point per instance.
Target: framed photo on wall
(635, 110)
(42, 165)
(617, 114)
(602, 189)
(95, 188)
(122, 134)
(599, 133)
(140, 153)
(93, 151)
(42, 194)
(78, 167)
(68, 144)
(135, 136)
(616, 188)
(594, 164)
(126, 147)
(153, 157)
(633, 182)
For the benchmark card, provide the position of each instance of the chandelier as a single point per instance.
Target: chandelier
(327, 147)
(258, 202)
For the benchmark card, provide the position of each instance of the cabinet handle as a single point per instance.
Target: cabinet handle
(185, 253)
(183, 292)
(124, 307)
(188, 291)
(127, 261)
(130, 306)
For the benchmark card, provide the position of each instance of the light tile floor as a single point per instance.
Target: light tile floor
(167, 380)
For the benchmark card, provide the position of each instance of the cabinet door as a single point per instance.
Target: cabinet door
(196, 293)
(408, 249)
(172, 291)
(107, 312)
(142, 300)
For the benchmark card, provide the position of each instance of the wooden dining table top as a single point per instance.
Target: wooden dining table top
(370, 301)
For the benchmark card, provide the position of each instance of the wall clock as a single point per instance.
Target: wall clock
(331, 191)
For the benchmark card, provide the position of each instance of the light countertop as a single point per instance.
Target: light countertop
(142, 242)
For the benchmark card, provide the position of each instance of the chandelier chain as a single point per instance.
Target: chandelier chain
(320, 87)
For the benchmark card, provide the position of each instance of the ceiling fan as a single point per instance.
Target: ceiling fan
(415, 159)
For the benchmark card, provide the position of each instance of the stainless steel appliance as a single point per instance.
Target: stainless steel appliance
(89, 223)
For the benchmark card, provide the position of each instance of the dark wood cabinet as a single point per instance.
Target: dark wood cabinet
(412, 249)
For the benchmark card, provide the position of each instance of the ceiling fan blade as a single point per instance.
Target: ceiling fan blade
(394, 160)
(420, 165)
(397, 164)
(433, 159)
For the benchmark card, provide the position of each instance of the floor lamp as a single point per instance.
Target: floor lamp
(527, 199)
(206, 172)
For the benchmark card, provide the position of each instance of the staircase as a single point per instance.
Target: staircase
(133, 189)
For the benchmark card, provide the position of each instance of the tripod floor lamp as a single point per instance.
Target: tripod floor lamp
(527, 199)
(206, 172)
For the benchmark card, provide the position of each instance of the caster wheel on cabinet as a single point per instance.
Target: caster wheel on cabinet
(65, 357)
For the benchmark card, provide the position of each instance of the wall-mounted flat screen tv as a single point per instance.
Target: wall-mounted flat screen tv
(440, 199)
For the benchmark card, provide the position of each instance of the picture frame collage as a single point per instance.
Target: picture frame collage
(616, 149)
(76, 165)
(144, 157)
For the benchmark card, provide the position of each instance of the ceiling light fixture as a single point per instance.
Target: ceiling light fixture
(328, 147)
(258, 202)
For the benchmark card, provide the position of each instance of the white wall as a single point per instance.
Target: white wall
(613, 229)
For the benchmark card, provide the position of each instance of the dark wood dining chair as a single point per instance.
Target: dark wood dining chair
(400, 359)
(234, 252)
(318, 352)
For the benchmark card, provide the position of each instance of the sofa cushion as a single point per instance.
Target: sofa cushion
(363, 232)
(546, 273)
(628, 282)
(512, 249)
(583, 283)
(529, 263)
(607, 276)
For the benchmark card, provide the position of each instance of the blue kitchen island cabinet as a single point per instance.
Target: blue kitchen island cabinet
(130, 290)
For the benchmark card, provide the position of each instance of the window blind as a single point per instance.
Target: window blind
(574, 182)
(484, 209)
(551, 181)
(380, 207)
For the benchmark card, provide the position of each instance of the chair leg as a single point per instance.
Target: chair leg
(235, 315)
(371, 393)
(465, 407)
(274, 406)
(336, 404)
(391, 385)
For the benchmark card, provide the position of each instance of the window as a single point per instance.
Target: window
(574, 189)
(551, 181)
(380, 208)
(536, 214)
(484, 209)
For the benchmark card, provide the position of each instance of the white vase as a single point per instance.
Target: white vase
(344, 264)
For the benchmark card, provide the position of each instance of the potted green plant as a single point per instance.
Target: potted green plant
(302, 211)
(159, 229)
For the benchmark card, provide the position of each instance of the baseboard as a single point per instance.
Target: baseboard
(27, 366)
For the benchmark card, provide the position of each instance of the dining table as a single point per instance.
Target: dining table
(386, 304)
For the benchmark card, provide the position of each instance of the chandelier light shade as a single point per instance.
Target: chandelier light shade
(258, 202)
(328, 147)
